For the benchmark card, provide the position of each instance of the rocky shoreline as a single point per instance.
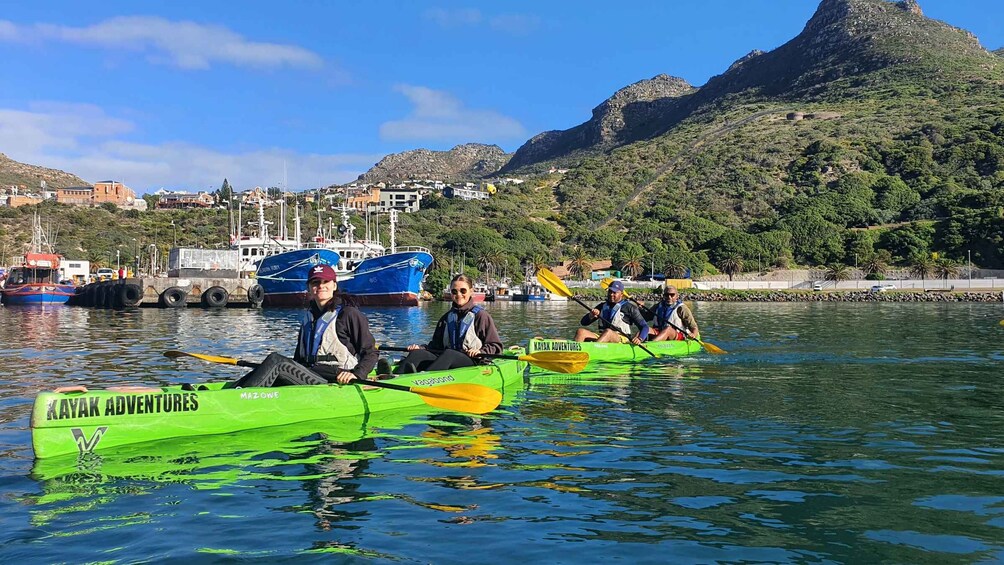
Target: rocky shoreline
(828, 296)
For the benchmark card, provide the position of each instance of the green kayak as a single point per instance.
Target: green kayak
(614, 352)
(84, 421)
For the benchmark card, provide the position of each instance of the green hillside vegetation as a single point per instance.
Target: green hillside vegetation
(898, 162)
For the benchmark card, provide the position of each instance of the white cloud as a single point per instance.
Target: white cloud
(514, 24)
(183, 44)
(85, 141)
(437, 115)
(454, 18)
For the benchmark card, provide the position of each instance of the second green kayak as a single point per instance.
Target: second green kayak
(616, 352)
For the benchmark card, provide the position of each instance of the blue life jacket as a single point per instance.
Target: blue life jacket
(608, 312)
(663, 312)
(311, 334)
(455, 331)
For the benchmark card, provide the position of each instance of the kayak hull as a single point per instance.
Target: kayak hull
(616, 352)
(84, 422)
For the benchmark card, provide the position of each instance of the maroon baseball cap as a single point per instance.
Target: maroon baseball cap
(322, 273)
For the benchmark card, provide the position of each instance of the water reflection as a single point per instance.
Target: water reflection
(830, 433)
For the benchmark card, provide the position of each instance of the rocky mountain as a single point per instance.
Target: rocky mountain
(13, 173)
(624, 117)
(845, 39)
(463, 162)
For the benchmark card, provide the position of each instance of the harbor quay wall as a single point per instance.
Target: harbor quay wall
(171, 292)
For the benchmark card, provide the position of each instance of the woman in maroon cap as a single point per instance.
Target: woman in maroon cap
(334, 342)
(462, 334)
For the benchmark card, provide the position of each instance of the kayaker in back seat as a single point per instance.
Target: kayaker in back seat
(671, 310)
(334, 342)
(462, 334)
(617, 313)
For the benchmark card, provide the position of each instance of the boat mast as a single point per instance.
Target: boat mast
(393, 230)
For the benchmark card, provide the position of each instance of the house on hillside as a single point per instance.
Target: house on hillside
(599, 267)
(177, 200)
(110, 191)
(403, 200)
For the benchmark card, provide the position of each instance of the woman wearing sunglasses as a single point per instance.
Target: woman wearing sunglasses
(668, 312)
(462, 334)
(335, 342)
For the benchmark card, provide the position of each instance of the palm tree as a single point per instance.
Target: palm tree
(581, 264)
(731, 265)
(946, 269)
(875, 264)
(634, 264)
(538, 262)
(837, 272)
(676, 269)
(922, 266)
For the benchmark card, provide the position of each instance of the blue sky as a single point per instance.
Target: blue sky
(181, 94)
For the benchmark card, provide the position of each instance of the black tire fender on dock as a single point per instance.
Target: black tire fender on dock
(215, 297)
(100, 296)
(173, 297)
(256, 294)
(130, 295)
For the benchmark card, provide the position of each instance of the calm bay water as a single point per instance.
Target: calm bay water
(830, 433)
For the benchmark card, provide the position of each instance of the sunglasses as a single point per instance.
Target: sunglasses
(669, 294)
(458, 291)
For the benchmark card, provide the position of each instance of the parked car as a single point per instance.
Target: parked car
(104, 275)
(817, 286)
(882, 287)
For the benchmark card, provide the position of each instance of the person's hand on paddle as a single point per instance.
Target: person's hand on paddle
(595, 312)
(345, 377)
(636, 340)
(472, 352)
(415, 347)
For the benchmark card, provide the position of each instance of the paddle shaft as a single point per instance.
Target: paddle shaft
(651, 313)
(253, 365)
(406, 350)
(554, 284)
(609, 326)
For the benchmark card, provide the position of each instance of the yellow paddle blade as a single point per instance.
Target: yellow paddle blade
(551, 282)
(558, 361)
(712, 348)
(476, 399)
(211, 358)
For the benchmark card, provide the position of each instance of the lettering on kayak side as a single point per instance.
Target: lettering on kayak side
(85, 444)
(89, 407)
(557, 346)
(259, 395)
(435, 381)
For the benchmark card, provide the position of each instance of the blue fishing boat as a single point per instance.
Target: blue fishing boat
(371, 273)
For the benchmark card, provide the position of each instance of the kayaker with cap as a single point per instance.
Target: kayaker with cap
(617, 313)
(668, 312)
(334, 341)
(464, 332)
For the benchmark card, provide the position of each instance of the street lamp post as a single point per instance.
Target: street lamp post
(136, 271)
(118, 264)
(175, 233)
